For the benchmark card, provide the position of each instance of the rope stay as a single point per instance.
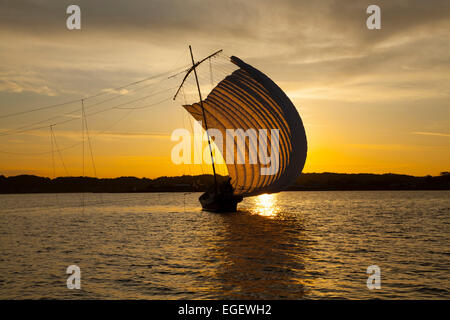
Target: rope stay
(118, 106)
(123, 105)
(76, 143)
(133, 99)
(100, 93)
(55, 146)
(211, 74)
(89, 143)
(53, 154)
(82, 133)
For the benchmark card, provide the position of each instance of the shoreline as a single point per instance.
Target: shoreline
(132, 192)
(24, 184)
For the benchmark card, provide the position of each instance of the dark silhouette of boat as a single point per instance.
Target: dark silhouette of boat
(248, 101)
(221, 199)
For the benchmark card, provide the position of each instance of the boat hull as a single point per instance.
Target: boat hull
(221, 203)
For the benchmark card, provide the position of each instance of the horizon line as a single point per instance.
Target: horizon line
(210, 174)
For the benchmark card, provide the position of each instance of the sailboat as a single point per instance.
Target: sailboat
(248, 101)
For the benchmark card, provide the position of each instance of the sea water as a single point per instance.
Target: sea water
(291, 245)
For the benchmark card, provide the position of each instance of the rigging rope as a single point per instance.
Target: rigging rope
(118, 106)
(82, 131)
(82, 141)
(193, 133)
(129, 105)
(58, 150)
(89, 143)
(5, 133)
(53, 155)
(211, 74)
(73, 145)
(103, 92)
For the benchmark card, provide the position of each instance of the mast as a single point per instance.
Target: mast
(204, 117)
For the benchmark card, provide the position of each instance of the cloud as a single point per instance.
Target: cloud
(17, 82)
(436, 134)
(13, 86)
(296, 20)
(317, 49)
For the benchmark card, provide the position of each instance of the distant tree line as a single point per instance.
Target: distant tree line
(366, 181)
(307, 181)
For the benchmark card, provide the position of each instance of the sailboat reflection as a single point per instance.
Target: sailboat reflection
(261, 256)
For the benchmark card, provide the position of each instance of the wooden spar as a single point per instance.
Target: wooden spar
(192, 68)
(203, 112)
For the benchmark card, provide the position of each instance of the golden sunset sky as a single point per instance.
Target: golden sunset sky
(372, 101)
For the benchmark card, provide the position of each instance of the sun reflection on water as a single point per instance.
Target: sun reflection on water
(266, 205)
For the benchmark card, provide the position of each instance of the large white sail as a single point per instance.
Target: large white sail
(248, 99)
